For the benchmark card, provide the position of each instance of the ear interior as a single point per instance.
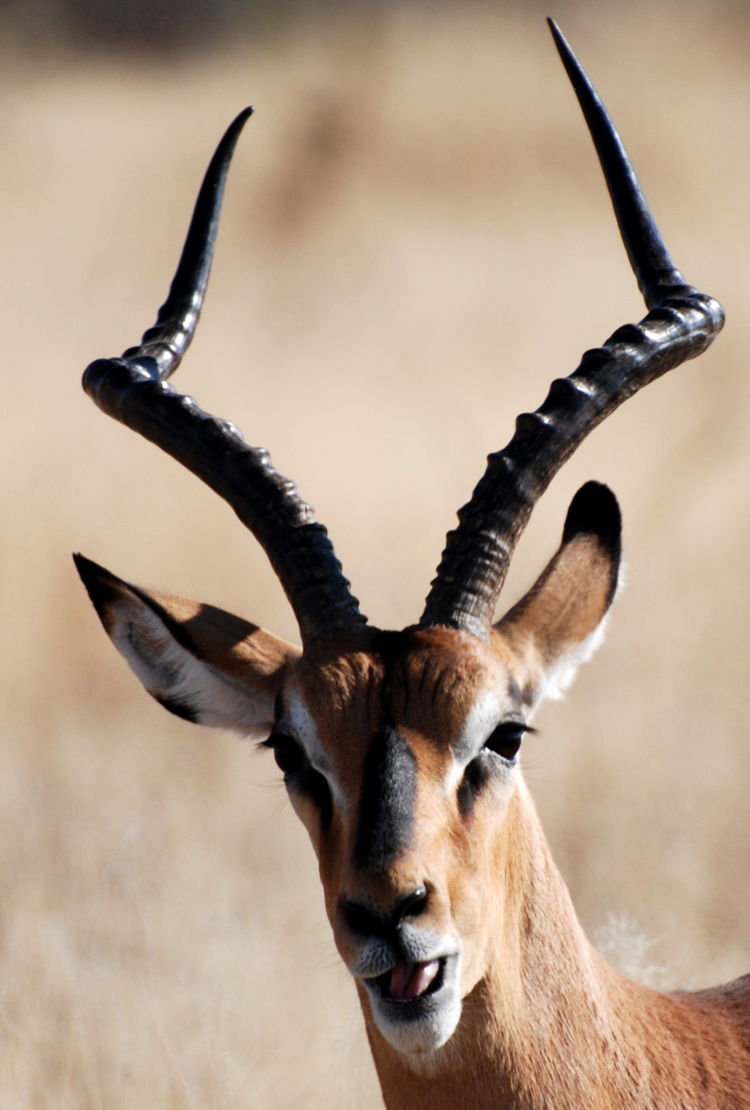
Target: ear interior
(199, 662)
(560, 622)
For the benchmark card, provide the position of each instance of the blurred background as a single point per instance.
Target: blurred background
(415, 241)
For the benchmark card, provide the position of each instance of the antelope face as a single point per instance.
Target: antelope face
(398, 750)
(401, 762)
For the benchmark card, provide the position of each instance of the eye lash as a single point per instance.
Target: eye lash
(505, 739)
(523, 728)
(289, 754)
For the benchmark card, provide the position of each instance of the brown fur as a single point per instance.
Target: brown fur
(546, 1024)
(552, 1026)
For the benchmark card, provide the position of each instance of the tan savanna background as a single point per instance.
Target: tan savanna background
(415, 240)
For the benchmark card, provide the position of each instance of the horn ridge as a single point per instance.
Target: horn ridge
(681, 324)
(133, 389)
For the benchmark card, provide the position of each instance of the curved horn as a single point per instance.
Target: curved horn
(133, 389)
(681, 324)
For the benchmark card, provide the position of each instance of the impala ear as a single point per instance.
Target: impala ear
(199, 662)
(560, 622)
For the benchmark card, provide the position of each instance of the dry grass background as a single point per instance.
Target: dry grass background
(415, 240)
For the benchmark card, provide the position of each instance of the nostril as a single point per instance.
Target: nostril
(411, 905)
(366, 922)
(362, 920)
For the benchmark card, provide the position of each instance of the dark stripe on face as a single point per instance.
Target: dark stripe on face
(386, 804)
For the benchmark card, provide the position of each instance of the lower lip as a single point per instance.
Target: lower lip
(422, 1024)
(433, 987)
(423, 1004)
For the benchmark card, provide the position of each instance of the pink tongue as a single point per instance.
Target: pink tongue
(409, 980)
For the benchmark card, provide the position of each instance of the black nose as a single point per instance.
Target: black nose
(366, 921)
(410, 905)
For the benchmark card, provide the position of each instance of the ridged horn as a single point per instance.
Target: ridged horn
(134, 390)
(681, 323)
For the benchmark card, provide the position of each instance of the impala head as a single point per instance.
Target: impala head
(399, 749)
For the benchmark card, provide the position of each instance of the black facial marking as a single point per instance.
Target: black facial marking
(299, 774)
(386, 805)
(499, 748)
(476, 776)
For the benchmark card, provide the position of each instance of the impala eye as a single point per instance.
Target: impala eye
(289, 755)
(506, 739)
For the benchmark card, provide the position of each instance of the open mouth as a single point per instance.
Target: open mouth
(409, 980)
(416, 1004)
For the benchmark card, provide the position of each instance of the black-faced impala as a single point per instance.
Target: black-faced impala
(399, 749)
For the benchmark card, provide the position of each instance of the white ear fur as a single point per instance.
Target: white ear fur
(199, 662)
(559, 677)
(561, 621)
(182, 682)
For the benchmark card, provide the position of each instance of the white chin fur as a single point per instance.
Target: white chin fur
(419, 1036)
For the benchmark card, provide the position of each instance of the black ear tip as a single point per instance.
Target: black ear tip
(89, 571)
(84, 566)
(594, 511)
(101, 585)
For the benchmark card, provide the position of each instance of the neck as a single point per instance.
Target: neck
(550, 1023)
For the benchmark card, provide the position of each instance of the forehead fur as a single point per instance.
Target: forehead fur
(411, 678)
(341, 680)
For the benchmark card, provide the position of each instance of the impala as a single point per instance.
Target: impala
(399, 749)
